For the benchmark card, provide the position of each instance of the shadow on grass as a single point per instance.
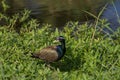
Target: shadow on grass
(68, 64)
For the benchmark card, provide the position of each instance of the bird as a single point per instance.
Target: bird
(52, 53)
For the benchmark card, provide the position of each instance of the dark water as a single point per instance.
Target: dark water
(58, 12)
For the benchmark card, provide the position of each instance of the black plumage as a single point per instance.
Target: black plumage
(52, 53)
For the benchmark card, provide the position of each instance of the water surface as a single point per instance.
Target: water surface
(112, 15)
(58, 12)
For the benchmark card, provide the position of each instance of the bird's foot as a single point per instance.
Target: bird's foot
(49, 66)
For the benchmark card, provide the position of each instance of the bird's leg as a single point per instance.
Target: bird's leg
(49, 66)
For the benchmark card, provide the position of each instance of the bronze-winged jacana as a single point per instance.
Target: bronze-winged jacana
(52, 53)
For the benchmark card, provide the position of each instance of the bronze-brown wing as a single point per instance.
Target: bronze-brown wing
(48, 54)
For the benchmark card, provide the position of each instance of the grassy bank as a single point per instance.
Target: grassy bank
(89, 56)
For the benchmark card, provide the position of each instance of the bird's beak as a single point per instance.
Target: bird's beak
(56, 41)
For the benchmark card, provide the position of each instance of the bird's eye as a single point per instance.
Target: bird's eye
(61, 38)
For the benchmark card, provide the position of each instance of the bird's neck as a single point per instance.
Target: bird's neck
(63, 46)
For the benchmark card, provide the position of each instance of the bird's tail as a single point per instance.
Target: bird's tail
(34, 55)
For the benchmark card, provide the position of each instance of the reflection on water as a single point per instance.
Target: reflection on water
(57, 12)
(112, 14)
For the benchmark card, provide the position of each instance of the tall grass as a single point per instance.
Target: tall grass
(87, 57)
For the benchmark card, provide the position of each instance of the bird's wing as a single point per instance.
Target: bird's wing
(48, 54)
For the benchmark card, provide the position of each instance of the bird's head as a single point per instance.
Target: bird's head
(59, 39)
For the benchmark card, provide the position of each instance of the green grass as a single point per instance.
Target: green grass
(89, 56)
